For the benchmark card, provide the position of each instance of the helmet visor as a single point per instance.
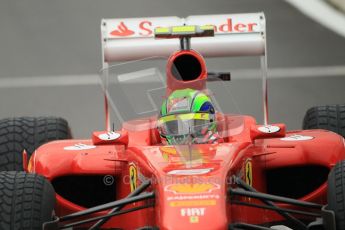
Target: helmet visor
(183, 124)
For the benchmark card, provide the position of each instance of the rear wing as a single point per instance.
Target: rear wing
(235, 35)
(129, 39)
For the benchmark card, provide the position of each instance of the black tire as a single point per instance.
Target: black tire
(26, 201)
(330, 117)
(17, 134)
(336, 194)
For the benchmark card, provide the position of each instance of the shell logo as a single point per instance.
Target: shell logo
(168, 150)
(192, 188)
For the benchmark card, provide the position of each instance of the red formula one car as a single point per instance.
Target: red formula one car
(154, 172)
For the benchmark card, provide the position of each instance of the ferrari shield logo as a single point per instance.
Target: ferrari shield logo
(249, 173)
(133, 175)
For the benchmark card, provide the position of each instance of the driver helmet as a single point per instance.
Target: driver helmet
(187, 116)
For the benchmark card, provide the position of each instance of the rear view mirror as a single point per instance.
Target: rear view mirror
(218, 76)
(110, 138)
(267, 131)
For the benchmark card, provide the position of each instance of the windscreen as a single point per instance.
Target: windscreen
(136, 92)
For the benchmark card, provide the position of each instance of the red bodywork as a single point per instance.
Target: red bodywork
(190, 182)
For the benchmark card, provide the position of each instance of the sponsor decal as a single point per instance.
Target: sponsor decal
(269, 129)
(297, 138)
(122, 31)
(190, 171)
(109, 136)
(178, 104)
(133, 175)
(145, 28)
(248, 172)
(79, 146)
(191, 188)
(189, 203)
(168, 151)
(193, 211)
(193, 197)
(229, 27)
(193, 214)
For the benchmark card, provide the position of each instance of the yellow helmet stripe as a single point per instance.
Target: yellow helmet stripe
(185, 116)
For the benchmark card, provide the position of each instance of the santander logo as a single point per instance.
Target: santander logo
(144, 28)
(122, 31)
